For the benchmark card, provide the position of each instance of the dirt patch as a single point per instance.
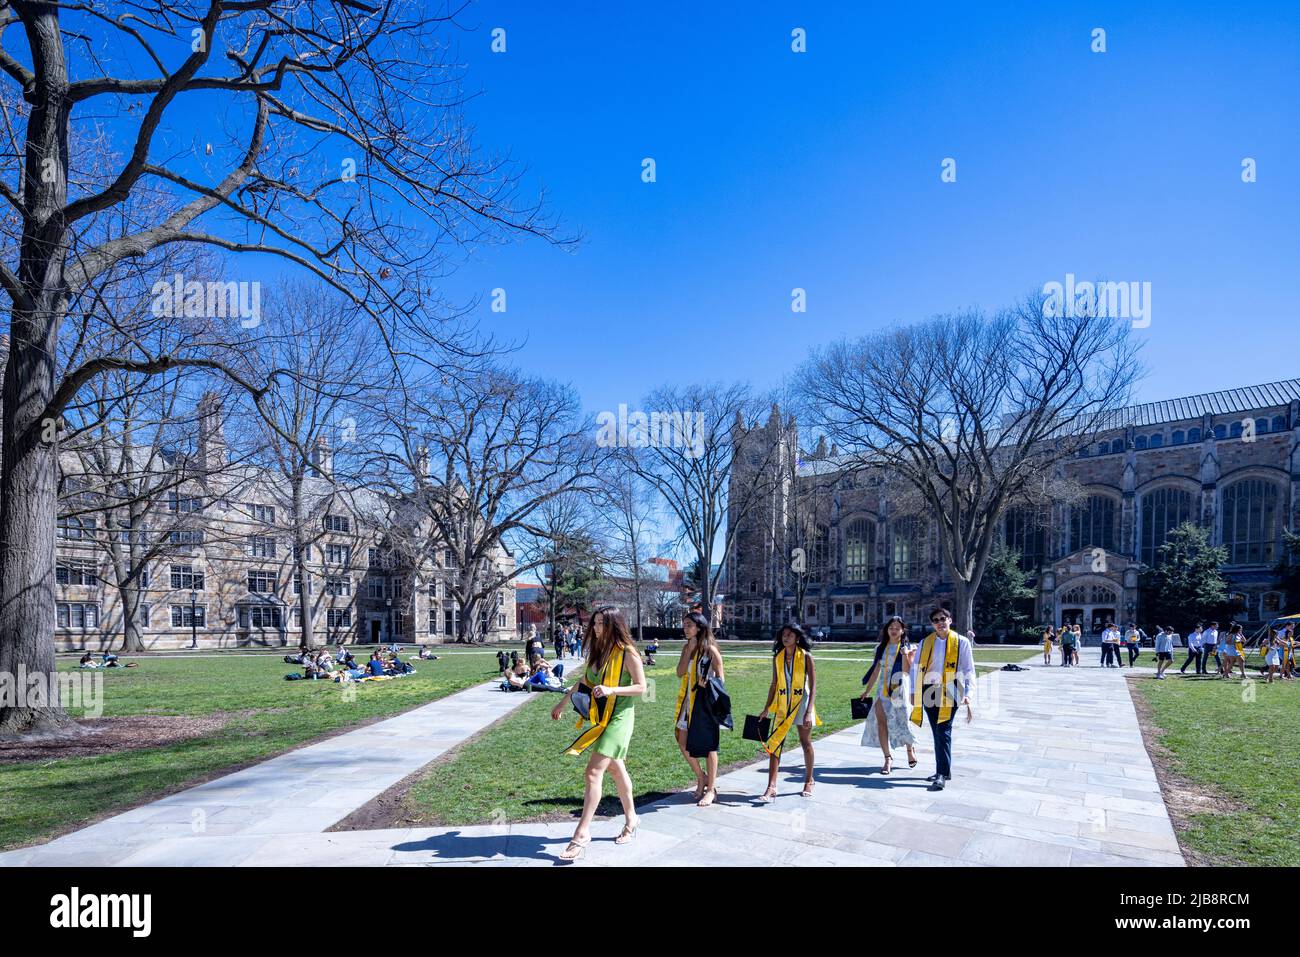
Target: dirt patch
(1183, 796)
(112, 736)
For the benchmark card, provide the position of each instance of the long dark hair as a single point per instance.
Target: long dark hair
(702, 630)
(598, 647)
(884, 636)
(801, 638)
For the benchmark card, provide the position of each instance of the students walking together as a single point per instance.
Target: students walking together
(697, 726)
(791, 700)
(616, 678)
(1164, 650)
(1233, 651)
(888, 681)
(1210, 649)
(943, 676)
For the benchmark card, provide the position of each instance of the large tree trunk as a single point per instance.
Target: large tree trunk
(302, 543)
(128, 597)
(28, 482)
(963, 610)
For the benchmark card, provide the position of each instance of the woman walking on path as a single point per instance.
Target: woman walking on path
(889, 681)
(1272, 648)
(1048, 637)
(1232, 652)
(616, 679)
(1287, 652)
(792, 692)
(697, 726)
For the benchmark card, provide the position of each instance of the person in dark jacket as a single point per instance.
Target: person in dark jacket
(697, 725)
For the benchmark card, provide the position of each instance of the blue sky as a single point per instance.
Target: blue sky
(821, 170)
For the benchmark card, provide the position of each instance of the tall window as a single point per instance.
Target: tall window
(1250, 521)
(1163, 510)
(186, 578)
(818, 550)
(1026, 532)
(905, 561)
(261, 546)
(1092, 524)
(859, 544)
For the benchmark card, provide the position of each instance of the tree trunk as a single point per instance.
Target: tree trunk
(963, 600)
(28, 481)
(128, 596)
(301, 544)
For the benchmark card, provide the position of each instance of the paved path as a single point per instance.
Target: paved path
(1053, 772)
(293, 797)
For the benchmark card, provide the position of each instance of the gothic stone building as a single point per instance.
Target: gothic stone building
(226, 573)
(1229, 460)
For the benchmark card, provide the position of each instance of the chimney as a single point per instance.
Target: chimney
(322, 458)
(212, 438)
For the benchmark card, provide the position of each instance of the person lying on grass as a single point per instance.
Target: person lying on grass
(546, 677)
(516, 678)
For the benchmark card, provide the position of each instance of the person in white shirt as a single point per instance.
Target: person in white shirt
(1193, 652)
(939, 695)
(1164, 650)
(1210, 646)
(1110, 646)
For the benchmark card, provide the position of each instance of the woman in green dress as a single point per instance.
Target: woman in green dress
(615, 675)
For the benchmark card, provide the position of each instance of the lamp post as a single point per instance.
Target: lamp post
(194, 621)
(389, 603)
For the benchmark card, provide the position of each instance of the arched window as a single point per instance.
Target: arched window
(1193, 435)
(1279, 423)
(859, 546)
(1163, 510)
(1025, 530)
(1261, 426)
(1117, 445)
(1157, 440)
(1092, 524)
(1179, 437)
(1235, 431)
(1220, 431)
(907, 547)
(1140, 442)
(1250, 521)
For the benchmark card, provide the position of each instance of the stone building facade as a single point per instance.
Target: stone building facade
(226, 575)
(1229, 460)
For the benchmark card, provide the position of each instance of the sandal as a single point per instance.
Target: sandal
(807, 789)
(911, 760)
(628, 832)
(575, 850)
(708, 797)
(768, 796)
(888, 766)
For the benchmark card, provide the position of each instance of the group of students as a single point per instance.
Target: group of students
(342, 666)
(518, 675)
(942, 667)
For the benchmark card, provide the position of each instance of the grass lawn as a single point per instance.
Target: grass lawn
(517, 771)
(263, 714)
(1242, 754)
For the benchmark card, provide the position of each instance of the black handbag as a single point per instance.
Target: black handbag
(756, 730)
(581, 701)
(861, 708)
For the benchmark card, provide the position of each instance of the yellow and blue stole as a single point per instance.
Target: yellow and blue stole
(946, 703)
(601, 709)
(789, 696)
(687, 690)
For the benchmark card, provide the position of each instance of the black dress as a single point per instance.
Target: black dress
(703, 733)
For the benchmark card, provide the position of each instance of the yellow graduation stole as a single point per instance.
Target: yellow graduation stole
(601, 709)
(687, 687)
(788, 698)
(949, 675)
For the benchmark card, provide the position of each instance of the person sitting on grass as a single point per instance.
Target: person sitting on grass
(426, 655)
(545, 676)
(88, 661)
(343, 657)
(375, 665)
(516, 678)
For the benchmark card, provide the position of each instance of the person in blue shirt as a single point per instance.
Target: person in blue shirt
(1164, 650)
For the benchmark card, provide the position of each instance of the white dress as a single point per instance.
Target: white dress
(897, 726)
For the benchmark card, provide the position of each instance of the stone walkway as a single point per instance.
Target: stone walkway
(1053, 772)
(293, 797)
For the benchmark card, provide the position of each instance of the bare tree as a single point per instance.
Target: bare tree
(972, 412)
(626, 508)
(326, 366)
(482, 453)
(717, 476)
(343, 154)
